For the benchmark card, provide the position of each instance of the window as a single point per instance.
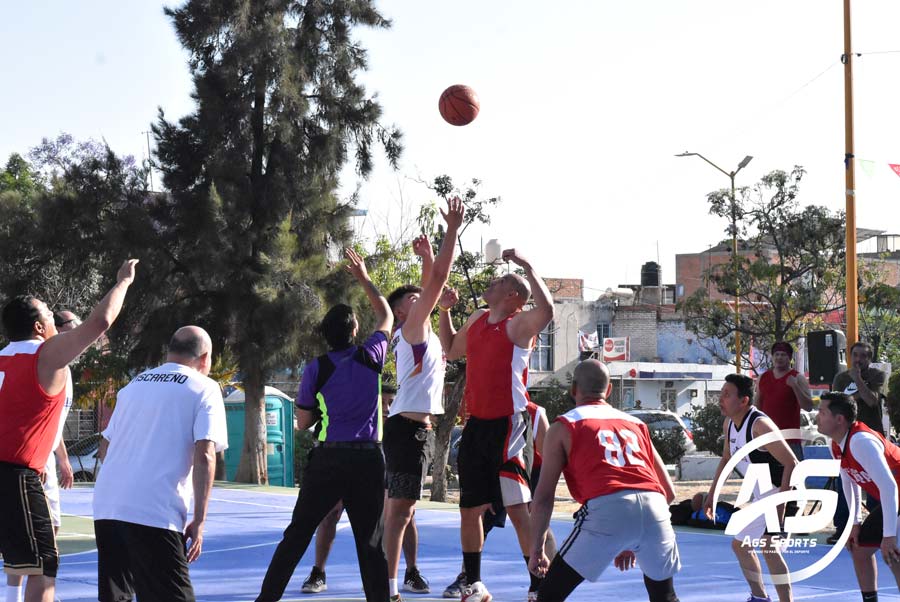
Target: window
(542, 354)
(668, 399)
(604, 331)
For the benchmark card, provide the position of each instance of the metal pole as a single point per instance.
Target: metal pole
(851, 311)
(734, 259)
(149, 160)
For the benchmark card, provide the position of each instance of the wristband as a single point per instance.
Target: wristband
(443, 309)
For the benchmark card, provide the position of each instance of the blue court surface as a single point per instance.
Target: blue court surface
(245, 524)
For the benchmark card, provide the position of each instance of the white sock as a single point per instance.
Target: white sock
(13, 593)
(392, 586)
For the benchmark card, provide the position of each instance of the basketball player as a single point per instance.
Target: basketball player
(497, 343)
(613, 470)
(744, 422)
(408, 435)
(33, 376)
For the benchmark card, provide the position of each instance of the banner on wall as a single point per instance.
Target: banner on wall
(616, 349)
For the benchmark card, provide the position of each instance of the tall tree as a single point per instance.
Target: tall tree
(788, 271)
(253, 220)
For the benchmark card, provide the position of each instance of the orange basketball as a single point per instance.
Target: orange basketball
(459, 105)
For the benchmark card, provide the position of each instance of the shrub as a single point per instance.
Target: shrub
(706, 426)
(669, 443)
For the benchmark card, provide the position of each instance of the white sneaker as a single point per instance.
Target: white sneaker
(532, 597)
(476, 592)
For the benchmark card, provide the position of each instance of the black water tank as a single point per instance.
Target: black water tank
(650, 274)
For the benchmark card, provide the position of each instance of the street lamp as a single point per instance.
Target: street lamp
(737, 313)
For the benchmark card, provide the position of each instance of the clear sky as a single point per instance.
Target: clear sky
(584, 105)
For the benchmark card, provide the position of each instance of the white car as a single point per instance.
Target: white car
(658, 420)
(83, 458)
(811, 430)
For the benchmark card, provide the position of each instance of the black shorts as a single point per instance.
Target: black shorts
(27, 541)
(494, 458)
(146, 561)
(408, 448)
(871, 531)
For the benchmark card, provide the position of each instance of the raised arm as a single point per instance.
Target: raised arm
(453, 342)
(63, 348)
(422, 248)
(416, 326)
(356, 265)
(528, 324)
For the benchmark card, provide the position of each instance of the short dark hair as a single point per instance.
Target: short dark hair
(19, 316)
(865, 345)
(841, 404)
(388, 389)
(400, 292)
(337, 327)
(782, 346)
(743, 383)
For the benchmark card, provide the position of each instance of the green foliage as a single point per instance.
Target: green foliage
(879, 316)
(706, 427)
(669, 443)
(554, 396)
(789, 269)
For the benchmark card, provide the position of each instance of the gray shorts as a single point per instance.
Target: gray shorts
(626, 520)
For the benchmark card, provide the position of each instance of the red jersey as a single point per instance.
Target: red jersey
(779, 402)
(29, 417)
(610, 451)
(496, 370)
(535, 411)
(855, 470)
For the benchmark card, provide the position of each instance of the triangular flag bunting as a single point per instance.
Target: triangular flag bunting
(868, 167)
(895, 167)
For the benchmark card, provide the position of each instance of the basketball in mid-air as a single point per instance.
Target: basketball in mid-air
(459, 105)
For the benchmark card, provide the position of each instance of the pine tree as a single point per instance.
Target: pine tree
(253, 218)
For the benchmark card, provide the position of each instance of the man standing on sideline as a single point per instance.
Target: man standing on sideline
(33, 376)
(782, 392)
(160, 450)
(869, 462)
(865, 385)
(408, 433)
(497, 343)
(342, 391)
(613, 470)
(64, 322)
(743, 423)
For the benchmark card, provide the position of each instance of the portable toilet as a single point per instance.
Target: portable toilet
(279, 435)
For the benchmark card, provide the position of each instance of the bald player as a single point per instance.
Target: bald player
(495, 446)
(613, 470)
(160, 446)
(34, 371)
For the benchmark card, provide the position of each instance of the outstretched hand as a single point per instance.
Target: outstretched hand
(422, 247)
(455, 213)
(449, 298)
(126, 271)
(356, 265)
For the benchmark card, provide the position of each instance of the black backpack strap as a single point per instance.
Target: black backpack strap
(326, 369)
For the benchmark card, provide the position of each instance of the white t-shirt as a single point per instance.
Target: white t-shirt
(146, 476)
(420, 375)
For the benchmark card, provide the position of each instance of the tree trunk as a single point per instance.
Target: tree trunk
(445, 424)
(253, 467)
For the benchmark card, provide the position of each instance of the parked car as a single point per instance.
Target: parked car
(810, 429)
(659, 420)
(83, 458)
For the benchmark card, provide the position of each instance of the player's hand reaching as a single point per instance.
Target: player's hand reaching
(356, 265)
(455, 213)
(422, 247)
(193, 537)
(449, 298)
(515, 257)
(126, 271)
(624, 561)
(538, 563)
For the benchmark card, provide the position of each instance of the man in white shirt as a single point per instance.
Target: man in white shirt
(162, 440)
(869, 462)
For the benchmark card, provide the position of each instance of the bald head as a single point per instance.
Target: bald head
(191, 346)
(520, 286)
(590, 380)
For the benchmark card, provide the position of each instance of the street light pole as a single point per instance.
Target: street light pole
(734, 250)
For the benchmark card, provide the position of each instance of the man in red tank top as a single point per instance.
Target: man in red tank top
(33, 376)
(613, 470)
(782, 392)
(868, 462)
(494, 445)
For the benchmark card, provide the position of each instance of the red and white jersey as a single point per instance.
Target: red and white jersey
(611, 451)
(855, 470)
(29, 417)
(496, 370)
(535, 411)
